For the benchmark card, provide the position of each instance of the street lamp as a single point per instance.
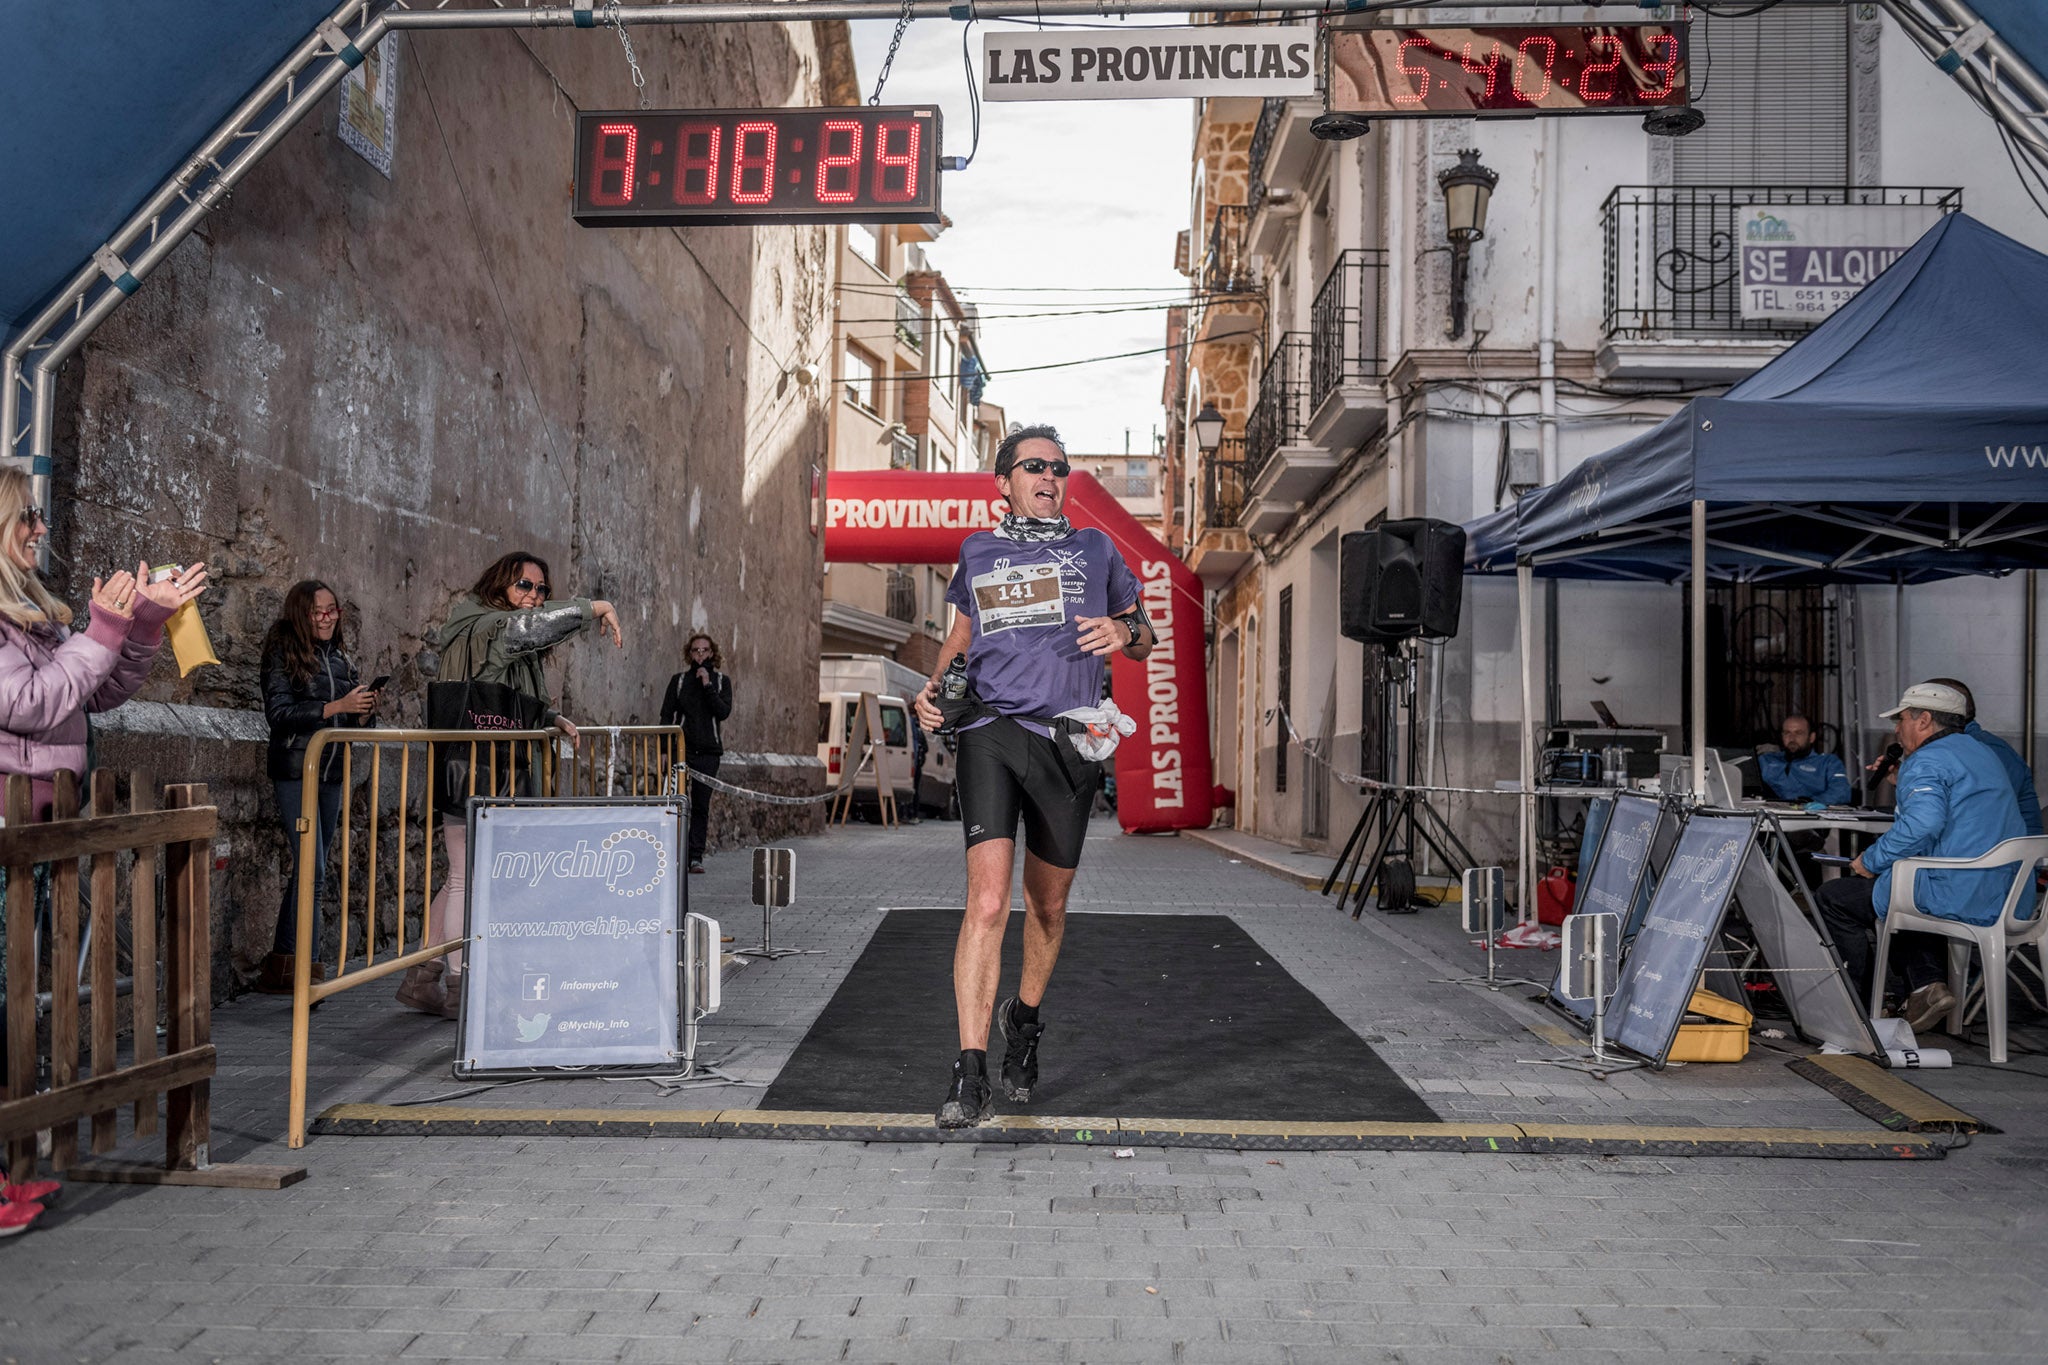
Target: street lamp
(1208, 426)
(1467, 187)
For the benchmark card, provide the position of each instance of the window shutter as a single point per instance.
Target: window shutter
(1776, 101)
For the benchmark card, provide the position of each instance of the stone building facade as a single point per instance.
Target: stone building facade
(388, 382)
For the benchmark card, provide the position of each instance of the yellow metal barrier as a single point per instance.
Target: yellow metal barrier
(619, 760)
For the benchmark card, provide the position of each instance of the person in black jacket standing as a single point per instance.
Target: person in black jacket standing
(308, 685)
(699, 698)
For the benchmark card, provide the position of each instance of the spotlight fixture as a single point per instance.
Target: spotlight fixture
(1676, 121)
(1339, 127)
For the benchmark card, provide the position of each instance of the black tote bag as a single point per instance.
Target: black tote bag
(474, 705)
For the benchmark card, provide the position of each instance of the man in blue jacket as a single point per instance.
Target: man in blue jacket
(2016, 770)
(1797, 773)
(1954, 802)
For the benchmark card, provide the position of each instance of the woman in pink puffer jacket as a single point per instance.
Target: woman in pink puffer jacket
(50, 675)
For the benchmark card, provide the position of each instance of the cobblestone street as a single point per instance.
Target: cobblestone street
(599, 1248)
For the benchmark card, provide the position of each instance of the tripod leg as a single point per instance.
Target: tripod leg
(1346, 873)
(1357, 831)
(1371, 827)
(1379, 858)
(1464, 857)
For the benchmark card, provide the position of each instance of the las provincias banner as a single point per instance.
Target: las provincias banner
(887, 516)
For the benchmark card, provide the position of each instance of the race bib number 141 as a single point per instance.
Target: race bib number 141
(1027, 596)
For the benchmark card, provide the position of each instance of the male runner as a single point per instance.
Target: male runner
(1040, 607)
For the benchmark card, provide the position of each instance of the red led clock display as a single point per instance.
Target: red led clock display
(1508, 69)
(673, 167)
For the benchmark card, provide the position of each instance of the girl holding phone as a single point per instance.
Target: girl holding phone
(309, 684)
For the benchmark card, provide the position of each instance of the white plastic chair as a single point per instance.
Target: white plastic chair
(2022, 920)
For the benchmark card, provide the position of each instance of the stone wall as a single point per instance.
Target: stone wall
(387, 383)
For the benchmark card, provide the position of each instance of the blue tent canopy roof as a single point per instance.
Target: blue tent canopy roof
(103, 106)
(1904, 438)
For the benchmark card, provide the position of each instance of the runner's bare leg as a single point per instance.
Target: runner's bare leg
(978, 955)
(1045, 924)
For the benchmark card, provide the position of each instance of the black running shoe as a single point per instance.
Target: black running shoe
(1020, 1052)
(969, 1104)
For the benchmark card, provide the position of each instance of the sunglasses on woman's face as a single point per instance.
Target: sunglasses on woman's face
(1059, 468)
(33, 516)
(528, 585)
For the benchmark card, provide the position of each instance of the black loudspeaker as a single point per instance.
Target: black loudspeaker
(1402, 579)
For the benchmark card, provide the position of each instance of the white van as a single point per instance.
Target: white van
(841, 680)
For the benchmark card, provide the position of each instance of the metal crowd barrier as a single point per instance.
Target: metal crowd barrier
(617, 760)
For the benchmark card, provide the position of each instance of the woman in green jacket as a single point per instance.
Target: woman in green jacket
(502, 631)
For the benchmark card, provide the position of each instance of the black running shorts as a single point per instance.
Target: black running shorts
(1004, 770)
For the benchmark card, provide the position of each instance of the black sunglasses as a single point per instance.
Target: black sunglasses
(528, 585)
(1060, 468)
(33, 516)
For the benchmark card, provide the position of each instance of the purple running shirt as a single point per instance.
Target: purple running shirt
(1025, 657)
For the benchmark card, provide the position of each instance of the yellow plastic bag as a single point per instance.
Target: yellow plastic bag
(189, 640)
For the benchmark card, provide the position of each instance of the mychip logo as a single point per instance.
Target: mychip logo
(630, 862)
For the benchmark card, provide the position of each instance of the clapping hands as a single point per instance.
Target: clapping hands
(115, 596)
(174, 591)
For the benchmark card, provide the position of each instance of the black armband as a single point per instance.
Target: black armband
(1137, 623)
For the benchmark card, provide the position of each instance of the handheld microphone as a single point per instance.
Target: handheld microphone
(1882, 769)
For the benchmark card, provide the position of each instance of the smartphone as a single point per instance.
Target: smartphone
(380, 682)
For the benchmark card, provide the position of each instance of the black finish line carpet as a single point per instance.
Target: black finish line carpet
(1148, 1015)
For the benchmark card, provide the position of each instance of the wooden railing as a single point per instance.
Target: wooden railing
(168, 979)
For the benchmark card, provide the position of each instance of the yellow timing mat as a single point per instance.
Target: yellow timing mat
(1599, 1139)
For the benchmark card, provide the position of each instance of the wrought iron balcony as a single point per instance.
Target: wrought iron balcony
(1672, 267)
(909, 321)
(1223, 486)
(902, 595)
(1227, 261)
(1346, 323)
(1280, 416)
(1217, 546)
(1270, 115)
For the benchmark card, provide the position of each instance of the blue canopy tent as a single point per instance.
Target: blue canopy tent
(1904, 439)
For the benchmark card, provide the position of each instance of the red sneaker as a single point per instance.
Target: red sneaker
(33, 1192)
(17, 1217)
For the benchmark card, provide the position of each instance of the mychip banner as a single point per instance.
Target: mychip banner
(1801, 262)
(1149, 63)
(574, 936)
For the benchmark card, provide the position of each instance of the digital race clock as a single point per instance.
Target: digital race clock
(674, 167)
(1507, 69)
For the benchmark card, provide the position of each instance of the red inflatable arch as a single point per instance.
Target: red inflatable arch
(1162, 771)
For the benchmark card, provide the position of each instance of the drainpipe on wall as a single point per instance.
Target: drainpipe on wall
(1395, 166)
(1546, 374)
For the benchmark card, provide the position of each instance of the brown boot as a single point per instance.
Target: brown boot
(276, 976)
(421, 989)
(451, 995)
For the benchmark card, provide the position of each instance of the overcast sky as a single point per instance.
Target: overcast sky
(1062, 197)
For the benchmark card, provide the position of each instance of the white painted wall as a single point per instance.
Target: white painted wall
(1934, 135)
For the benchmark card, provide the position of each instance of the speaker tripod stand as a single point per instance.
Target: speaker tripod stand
(1399, 821)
